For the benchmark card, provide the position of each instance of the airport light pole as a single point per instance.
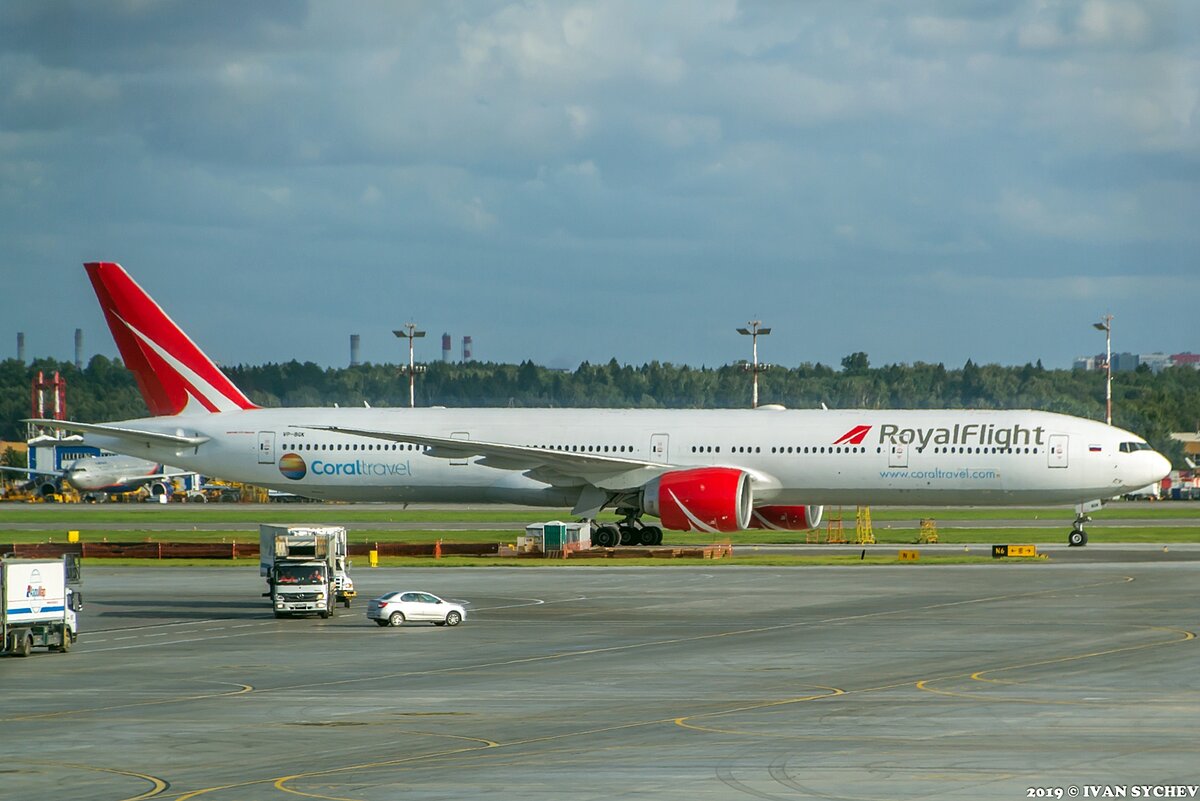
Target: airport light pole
(1106, 327)
(754, 332)
(410, 333)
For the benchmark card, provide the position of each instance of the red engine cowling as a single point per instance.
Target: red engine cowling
(786, 518)
(708, 499)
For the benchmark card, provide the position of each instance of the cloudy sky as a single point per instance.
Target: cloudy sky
(569, 181)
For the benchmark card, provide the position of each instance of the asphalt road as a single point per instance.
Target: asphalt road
(903, 682)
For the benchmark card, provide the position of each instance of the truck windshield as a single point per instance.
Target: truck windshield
(299, 574)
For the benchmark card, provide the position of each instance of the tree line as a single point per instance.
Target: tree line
(1150, 404)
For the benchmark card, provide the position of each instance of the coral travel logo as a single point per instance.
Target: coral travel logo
(292, 466)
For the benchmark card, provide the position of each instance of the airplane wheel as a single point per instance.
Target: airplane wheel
(1077, 538)
(652, 535)
(630, 535)
(606, 537)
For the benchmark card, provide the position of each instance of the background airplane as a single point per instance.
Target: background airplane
(92, 476)
(702, 470)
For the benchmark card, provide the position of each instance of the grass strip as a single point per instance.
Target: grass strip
(883, 535)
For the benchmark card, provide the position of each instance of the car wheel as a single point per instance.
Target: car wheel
(453, 619)
(396, 618)
(381, 622)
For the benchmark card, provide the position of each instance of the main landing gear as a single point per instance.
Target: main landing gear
(630, 531)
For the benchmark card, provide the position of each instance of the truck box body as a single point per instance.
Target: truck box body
(39, 604)
(305, 567)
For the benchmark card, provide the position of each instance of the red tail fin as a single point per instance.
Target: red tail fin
(173, 374)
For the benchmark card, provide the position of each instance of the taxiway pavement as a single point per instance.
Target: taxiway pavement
(897, 682)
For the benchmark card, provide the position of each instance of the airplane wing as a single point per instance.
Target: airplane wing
(561, 468)
(29, 472)
(138, 480)
(128, 436)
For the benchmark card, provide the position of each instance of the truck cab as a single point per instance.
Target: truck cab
(301, 587)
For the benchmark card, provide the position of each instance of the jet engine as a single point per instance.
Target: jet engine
(786, 518)
(702, 499)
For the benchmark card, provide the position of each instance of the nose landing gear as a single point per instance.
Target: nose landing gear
(1078, 537)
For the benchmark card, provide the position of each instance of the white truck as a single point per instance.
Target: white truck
(305, 567)
(41, 604)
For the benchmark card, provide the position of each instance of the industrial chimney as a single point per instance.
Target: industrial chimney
(78, 348)
(466, 349)
(21, 347)
(354, 360)
(447, 346)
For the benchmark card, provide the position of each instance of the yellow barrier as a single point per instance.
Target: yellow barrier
(909, 556)
(72, 536)
(373, 558)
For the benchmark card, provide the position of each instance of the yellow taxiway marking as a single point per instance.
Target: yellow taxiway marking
(682, 721)
(157, 784)
(175, 699)
(979, 674)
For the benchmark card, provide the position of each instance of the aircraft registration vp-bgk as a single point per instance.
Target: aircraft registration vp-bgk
(698, 470)
(108, 475)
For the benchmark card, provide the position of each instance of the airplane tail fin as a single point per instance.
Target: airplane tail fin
(172, 373)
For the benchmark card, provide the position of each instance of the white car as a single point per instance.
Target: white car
(397, 607)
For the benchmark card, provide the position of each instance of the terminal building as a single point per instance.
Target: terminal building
(1128, 362)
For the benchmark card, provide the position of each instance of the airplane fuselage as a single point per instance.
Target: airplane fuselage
(905, 457)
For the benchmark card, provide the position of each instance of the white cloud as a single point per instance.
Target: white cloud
(1059, 288)
(1103, 22)
(859, 138)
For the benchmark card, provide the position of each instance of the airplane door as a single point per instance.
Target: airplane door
(266, 447)
(1057, 452)
(460, 435)
(898, 455)
(659, 448)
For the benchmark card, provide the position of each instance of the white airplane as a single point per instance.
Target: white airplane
(713, 471)
(110, 475)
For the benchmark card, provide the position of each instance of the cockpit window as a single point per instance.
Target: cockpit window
(1130, 447)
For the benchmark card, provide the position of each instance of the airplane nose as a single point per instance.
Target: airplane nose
(1160, 467)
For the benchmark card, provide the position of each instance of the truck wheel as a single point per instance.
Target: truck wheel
(396, 619)
(24, 645)
(279, 615)
(66, 640)
(325, 613)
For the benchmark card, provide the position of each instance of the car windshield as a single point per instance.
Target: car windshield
(299, 574)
